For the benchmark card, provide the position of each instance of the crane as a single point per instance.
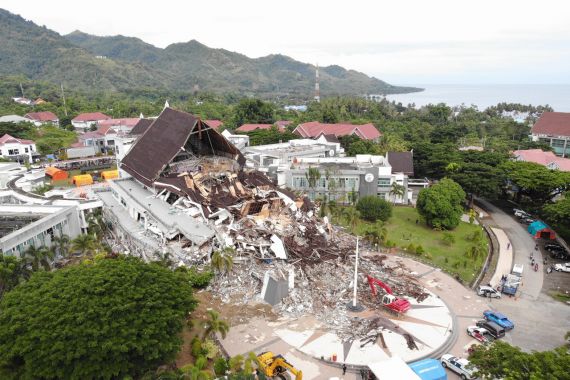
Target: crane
(389, 300)
(274, 366)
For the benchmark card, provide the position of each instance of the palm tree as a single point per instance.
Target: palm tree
(352, 217)
(38, 257)
(397, 191)
(313, 175)
(215, 325)
(251, 363)
(96, 224)
(223, 261)
(236, 363)
(197, 370)
(85, 244)
(13, 270)
(62, 245)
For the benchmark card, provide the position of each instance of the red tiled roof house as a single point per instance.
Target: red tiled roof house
(553, 128)
(42, 118)
(314, 129)
(11, 147)
(85, 121)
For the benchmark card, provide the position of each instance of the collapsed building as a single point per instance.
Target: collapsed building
(188, 193)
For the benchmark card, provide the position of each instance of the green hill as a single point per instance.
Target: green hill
(92, 63)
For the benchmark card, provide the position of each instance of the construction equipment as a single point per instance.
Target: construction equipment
(275, 366)
(389, 300)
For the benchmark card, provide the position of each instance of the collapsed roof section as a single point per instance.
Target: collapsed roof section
(173, 138)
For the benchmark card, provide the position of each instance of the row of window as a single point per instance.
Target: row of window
(40, 239)
(346, 183)
(15, 152)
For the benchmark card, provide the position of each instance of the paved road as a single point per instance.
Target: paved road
(523, 245)
(540, 321)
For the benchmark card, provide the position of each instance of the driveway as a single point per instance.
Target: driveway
(523, 245)
(540, 321)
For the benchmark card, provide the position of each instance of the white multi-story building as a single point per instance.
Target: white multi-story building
(85, 121)
(344, 179)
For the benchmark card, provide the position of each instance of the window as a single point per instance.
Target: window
(13, 152)
(26, 150)
(383, 182)
(556, 143)
(300, 182)
(111, 142)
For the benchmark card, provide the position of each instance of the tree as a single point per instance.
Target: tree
(501, 360)
(478, 179)
(559, 211)
(62, 245)
(12, 271)
(215, 325)
(351, 216)
(441, 204)
(85, 244)
(38, 257)
(222, 261)
(372, 208)
(109, 319)
(535, 182)
(313, 176)
(397, 191)
(197, 371)
(253, 111)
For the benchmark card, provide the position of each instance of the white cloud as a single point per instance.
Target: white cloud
(406, 41)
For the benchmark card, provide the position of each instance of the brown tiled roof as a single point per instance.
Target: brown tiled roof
(92, 116)
(401, 162)
(141, 127)
(165, 137)
(553, 123)
(41, 116)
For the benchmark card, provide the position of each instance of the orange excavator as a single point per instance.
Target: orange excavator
(389, 300)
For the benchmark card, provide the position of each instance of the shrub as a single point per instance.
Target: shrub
(196, 347)
(372, 208)
(220, 366)
(448, 238)
(428, 256)
(420, 250)
(411, 248)
(210, 349)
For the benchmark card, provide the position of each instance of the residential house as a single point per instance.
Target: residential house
(253, 127)
(85, 121)
(216, 124)
(553, 128)
(548, 159)
(13, 119)
(124, 125)
(17, 149)
(314, 129)
(103, 139)
(42, 118)
(23, 101)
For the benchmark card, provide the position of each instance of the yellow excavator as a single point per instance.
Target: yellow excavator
(275, 366)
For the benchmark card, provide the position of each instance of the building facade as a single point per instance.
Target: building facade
(345, 179)
(25, 225)
(85, 121)
(17, 149)
(553, 128)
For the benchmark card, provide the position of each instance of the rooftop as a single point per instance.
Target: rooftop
(553, 124)
(92, 116)
(41, 116)
(315, 129)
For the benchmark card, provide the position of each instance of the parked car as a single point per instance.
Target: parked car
(527, 220)
(554, 247)
(487, 291)
(495, 331)
(479, 334)
(459, 365)
(520, 213)
(562, 267)
(498, 318)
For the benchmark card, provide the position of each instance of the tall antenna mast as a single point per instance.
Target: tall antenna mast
(22, 89)
(63, 96)
(317, 89)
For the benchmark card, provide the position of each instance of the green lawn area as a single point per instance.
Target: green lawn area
(69, 181)
(403, 231)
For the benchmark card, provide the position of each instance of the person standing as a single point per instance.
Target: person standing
(344, 369)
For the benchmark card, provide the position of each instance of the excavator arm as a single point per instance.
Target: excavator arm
(373, 281)
(285, 364)
(272, 365)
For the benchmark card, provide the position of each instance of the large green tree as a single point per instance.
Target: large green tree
(110, 319)
(373, 208)
(501, 360)
(441, 204)
(535, 182)
(254, 111)
(559, 211)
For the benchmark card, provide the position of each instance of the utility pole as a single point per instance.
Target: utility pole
(22, 90)
(354, 306)
(63, 96)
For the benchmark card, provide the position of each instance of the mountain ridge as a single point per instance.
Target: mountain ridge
(113, 63)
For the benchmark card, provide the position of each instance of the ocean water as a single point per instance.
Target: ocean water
(483, 96)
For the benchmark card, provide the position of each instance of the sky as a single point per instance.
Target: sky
(401, 42)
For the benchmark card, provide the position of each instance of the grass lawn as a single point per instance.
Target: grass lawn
(69, 181)
(403, 231)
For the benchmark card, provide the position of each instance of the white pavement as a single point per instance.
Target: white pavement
(505, 260)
